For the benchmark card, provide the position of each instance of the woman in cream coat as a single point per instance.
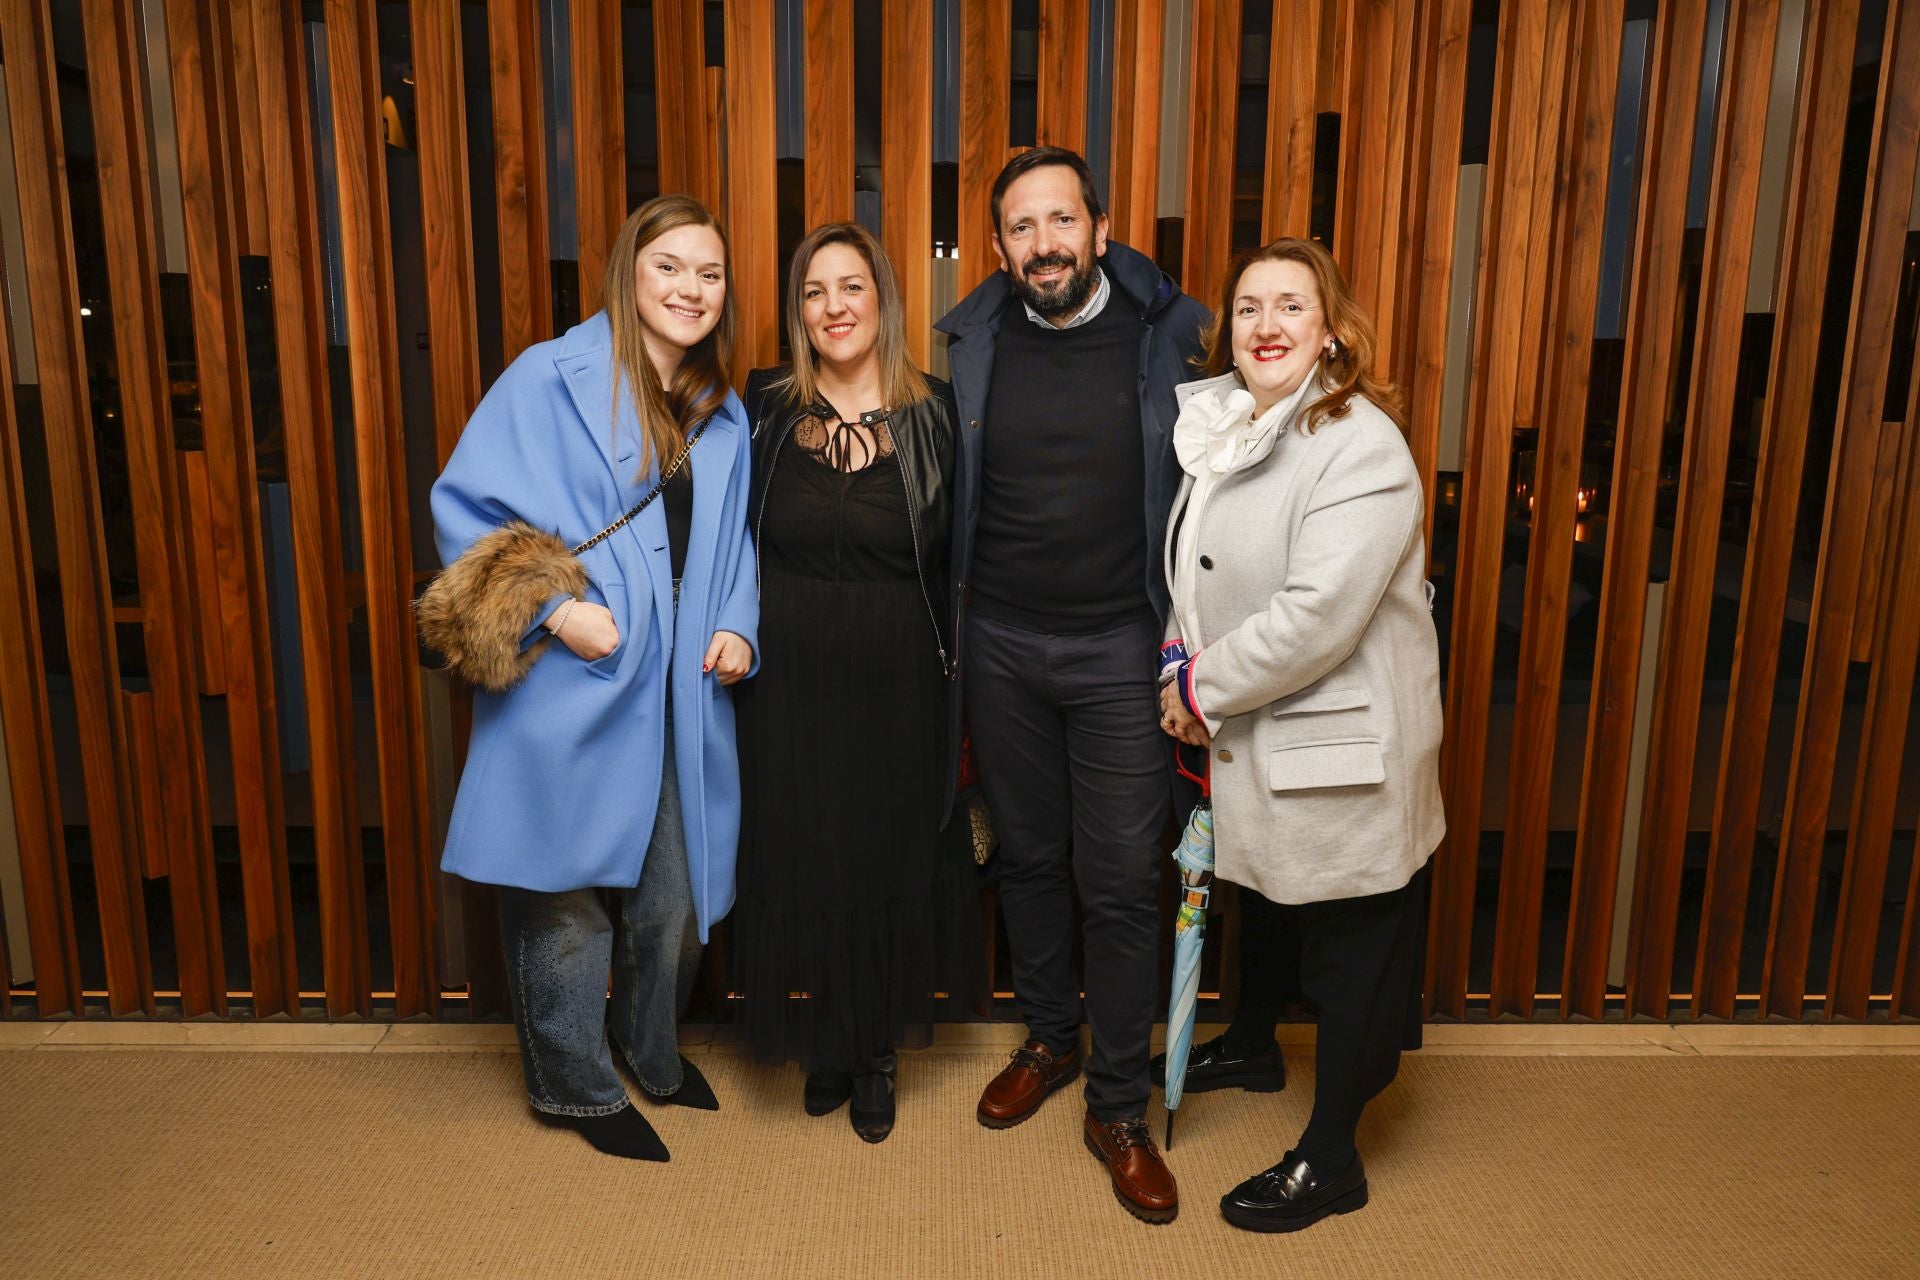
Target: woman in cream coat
(1302, 653)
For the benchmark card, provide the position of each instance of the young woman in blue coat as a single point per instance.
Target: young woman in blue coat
(602, 755)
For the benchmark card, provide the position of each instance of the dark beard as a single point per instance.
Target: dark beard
(1062, 299)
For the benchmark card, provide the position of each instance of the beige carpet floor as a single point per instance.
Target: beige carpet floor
(148, 1163)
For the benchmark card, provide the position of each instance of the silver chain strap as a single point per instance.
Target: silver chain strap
(652, 493)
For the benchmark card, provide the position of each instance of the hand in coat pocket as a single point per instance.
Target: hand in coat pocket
(588, 629)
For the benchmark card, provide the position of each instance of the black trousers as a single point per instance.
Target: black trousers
(1074, 767)
(1360, 961)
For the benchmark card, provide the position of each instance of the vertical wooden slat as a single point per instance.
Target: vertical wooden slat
(829, 111)
(1134, 199)
(752, 173)
(599, 141)
(1432, 208)
(175, 834)
(196, 37)
(1883, 737)
(33, 99)
(1586, 139)
(1519, 178)
(520, 174)
(680, 95)
(906, 160)
(1292, 120)
(1212, 115)
(27, 721)
(445, 231)
(203, 573)
(1679, 36)
(250, 198)
(1826, 61)
(353, 53)
(1061, 106)
(1373, 144)
(313, 494)
(1733, 196)
(986, 53)
(1890, 174)
(147, 838)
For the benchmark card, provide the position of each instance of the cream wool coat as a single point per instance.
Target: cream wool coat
(1316, 664)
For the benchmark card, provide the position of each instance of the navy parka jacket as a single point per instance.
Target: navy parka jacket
(1169, 343)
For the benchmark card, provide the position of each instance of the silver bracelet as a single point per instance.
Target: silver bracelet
(561, 621)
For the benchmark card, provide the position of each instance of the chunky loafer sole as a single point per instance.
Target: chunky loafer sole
(1157, 1217)
(1249, 1079)
(1271, 1220)
(992, 1121)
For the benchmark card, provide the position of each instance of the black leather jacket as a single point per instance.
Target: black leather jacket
(923, 452)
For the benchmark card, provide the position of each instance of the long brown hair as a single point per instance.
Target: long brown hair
(1349, 369)
(699, 387)
(901, 383)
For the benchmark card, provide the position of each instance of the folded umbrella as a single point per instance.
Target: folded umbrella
(1194, 854)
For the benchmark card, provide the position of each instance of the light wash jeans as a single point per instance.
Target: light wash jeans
(559, 947)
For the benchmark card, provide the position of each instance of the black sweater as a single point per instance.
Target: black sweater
(1061, 547)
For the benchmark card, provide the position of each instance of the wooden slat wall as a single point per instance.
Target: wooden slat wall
(86, 605)
(1134, 199)
(1826, 60)
(1062, 64)
(1212, 111)
(353, 54)
(906, 163)
(1292, 119)
(1394, 72)
(752, 172)
(1503, 345)
(520, 174)
(829, 111)
(1673, 80)
(1739, 136)
(1559, 447)
(599, 141)
(174, 830)
(1843, 541)
(986, 63)
(236, 587)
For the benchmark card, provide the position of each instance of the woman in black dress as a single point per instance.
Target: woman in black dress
(855, 908)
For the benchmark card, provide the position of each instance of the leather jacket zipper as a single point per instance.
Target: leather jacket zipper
(919, 568)
(760, 516)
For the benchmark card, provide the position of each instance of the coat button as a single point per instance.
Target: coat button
(1206, 562)
(1226, 757)
(975, 424)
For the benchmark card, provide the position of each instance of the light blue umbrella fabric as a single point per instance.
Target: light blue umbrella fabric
(1194, 854)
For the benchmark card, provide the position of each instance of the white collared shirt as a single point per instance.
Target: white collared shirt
(1094, 306)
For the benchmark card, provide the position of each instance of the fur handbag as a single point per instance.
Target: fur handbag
(477, 610)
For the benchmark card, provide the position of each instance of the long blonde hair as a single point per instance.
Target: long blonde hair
(1349, 369)
(699, 387)
(901, 383)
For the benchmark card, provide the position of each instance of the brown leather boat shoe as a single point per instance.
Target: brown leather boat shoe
(1142, 1183)
(1024, 1084)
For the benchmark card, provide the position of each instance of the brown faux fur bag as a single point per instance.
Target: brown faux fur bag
(476, 611)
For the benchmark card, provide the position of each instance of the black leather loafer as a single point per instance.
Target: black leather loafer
(871, 1111)
(1293, 1195)
(1210, 1066)
(826, 1090)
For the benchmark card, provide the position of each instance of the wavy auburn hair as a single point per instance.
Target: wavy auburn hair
(900, 382)
(1348, 370)
(699, 387)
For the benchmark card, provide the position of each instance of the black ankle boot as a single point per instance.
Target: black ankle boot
(871, 1110)
(694, 1091)
(826, 1090)
(623, 1133)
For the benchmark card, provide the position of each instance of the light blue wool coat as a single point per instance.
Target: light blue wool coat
(563, 770)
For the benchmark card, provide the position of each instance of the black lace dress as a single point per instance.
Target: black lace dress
(853, 909)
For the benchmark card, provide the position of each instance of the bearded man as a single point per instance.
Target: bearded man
(1064, 366)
